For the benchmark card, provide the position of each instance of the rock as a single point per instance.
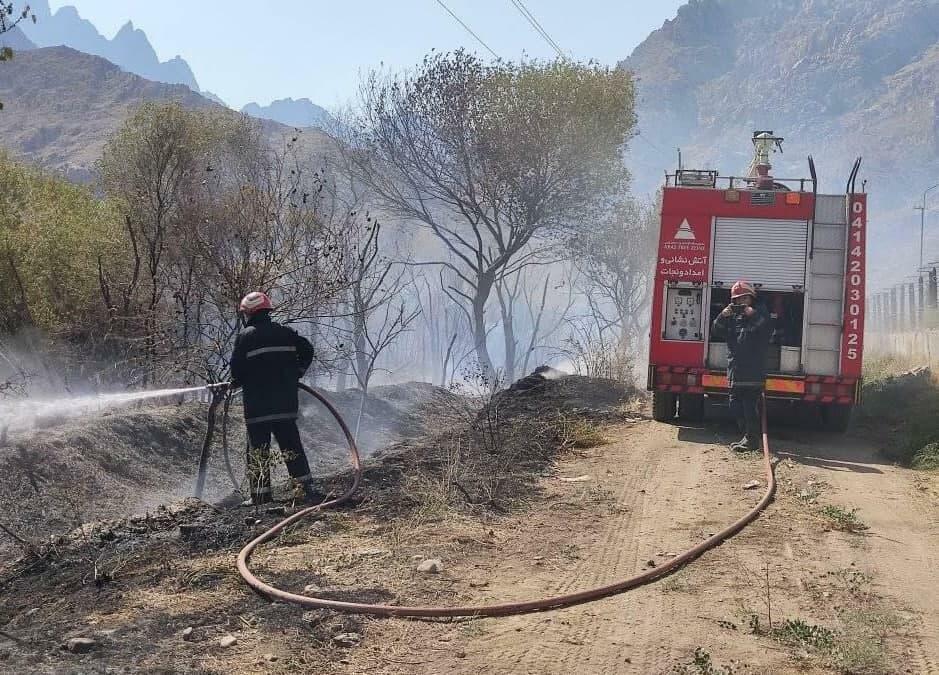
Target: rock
(80, 645)
(372, 552)
(228, 641)
(752, 485)
(312, 589)
(431, 566)
(576, 479)
(187, 633)
(319, 527)
(270, 658)
(347, 640)
(650, 563)
(279, 510)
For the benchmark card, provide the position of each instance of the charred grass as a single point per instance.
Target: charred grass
(136, 584)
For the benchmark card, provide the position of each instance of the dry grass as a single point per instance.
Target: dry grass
(444, 497)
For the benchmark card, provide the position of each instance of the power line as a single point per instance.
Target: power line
(520, 6)
(537, 26)
(468, 29)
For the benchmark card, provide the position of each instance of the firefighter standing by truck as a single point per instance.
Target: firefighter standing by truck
(268, 361)
(747, 329)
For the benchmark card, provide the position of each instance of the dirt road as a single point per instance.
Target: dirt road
(835, 576)
(660, 488)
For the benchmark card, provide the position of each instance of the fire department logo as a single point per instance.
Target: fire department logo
(685, 232)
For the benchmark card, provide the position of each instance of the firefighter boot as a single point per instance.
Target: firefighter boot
(311, 495)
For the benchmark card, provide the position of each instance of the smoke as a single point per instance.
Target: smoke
(26, 414)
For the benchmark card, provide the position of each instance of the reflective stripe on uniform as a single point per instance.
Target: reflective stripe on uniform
(271, 418)
(270, 350)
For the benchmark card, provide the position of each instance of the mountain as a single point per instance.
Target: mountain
(15, 40)
(213, 97)
(294, 113)
(129, 48)
(62, 105)
(837, 78)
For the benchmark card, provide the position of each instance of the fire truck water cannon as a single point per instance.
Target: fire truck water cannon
(764, 144)
(804, 253)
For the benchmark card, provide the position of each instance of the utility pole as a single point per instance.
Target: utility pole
(922, 221)
(921, 311)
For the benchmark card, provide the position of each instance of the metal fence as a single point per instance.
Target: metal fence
(912, 305)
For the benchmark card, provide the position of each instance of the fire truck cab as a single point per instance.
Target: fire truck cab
(805, 254)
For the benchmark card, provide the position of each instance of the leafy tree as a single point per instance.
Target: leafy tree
(51, 234)
(496, 161)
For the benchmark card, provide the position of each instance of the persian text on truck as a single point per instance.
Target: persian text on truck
(805, 254)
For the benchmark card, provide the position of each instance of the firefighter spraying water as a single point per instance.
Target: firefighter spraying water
(803, 256)
(267, 363)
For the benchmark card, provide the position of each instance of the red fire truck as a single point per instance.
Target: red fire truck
(805, 254)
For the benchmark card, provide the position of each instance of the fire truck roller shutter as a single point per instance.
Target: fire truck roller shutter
(771, 253)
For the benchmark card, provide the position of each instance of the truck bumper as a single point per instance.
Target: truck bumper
(810, 388)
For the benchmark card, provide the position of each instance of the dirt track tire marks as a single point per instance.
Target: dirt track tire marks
(675, 486)
(655, 490)
(902, 546)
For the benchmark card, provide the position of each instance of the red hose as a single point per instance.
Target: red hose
(504, 609)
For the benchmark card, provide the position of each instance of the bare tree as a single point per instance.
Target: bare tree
(545, 321)
(443, 334)
(10, 16)
(152, 165)
(493, 159)
(615, 260)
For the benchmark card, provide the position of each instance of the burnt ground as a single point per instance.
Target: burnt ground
(135, 584)
(531, 494)
(133, 460)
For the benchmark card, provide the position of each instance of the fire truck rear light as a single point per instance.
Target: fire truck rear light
(715, 381)
(732, 196)
(793, 198)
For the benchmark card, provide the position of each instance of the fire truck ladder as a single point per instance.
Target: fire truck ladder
(826, 285)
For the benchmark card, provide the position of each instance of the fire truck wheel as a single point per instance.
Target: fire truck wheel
(691, 407)
(836, 417)
(663, 406)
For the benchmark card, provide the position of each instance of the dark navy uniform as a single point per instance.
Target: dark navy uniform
(747, 346)
(268, 361)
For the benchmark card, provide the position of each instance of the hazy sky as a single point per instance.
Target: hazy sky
(259, 51)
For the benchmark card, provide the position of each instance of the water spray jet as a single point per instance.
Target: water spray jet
(28, 414)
